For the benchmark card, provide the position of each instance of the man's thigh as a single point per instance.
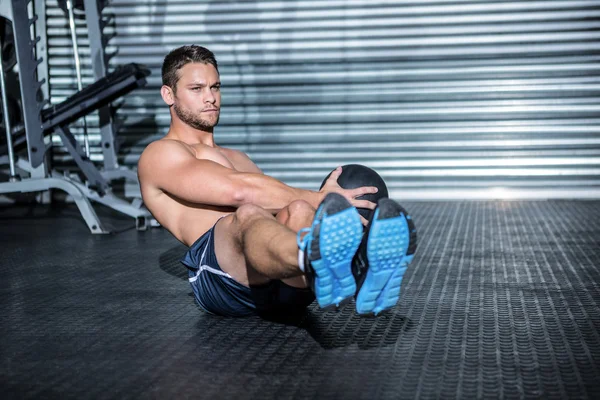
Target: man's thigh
(229, 253)
(230, 256)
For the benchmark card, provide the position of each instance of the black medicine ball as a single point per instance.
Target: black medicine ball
(356, 175)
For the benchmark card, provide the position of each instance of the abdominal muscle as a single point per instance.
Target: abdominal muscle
(186, 222)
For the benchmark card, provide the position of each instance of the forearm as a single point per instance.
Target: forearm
(270, 193)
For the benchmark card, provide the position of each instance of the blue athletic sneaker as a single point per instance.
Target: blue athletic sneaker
(388, 246)
(329, 247)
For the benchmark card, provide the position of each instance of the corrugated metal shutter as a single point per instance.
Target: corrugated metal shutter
(446, 99)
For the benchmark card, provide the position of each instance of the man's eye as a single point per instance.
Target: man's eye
(216, 88)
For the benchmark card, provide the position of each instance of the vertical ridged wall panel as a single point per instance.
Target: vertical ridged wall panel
(445, 99)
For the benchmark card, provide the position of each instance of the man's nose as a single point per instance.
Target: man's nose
(209, 97)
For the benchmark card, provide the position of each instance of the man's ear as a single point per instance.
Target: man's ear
(167, 94)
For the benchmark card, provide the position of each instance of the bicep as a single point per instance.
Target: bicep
(180, 174)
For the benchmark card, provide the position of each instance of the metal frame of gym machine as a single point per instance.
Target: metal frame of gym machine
(32, 76)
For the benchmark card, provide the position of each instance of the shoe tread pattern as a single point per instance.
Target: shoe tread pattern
(338, 239)
(390, 248)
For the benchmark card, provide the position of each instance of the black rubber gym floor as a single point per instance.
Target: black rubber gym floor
(502, 301)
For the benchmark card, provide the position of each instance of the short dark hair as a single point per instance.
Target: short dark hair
(181, 56)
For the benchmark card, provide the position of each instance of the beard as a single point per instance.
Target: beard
(194, 120)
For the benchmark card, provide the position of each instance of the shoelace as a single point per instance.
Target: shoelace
(302, 242)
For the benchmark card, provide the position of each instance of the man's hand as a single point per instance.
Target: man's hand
(331, 185)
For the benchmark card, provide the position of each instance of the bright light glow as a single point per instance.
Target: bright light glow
(500, 192)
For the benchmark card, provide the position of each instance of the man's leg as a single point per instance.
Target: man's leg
(297, 215)
(389, 244)
(253, 247)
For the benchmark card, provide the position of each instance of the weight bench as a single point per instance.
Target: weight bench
(56, 119)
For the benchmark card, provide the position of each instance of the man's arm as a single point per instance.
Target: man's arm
(171, 167)
(243, 163)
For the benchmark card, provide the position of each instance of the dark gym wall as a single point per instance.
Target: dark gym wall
(446, 99)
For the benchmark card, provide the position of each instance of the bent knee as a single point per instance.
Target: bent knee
(299, 206)
(294, 209)
(301, 215)
(249, 212)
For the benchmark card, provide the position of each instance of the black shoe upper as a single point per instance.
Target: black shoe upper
(360, 262)
(387, 209)
(331, 204)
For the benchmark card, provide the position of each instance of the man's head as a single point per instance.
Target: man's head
(191, 85)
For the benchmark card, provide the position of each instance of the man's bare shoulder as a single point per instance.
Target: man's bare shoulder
(167, 155)
(161, 155)
(165, 146)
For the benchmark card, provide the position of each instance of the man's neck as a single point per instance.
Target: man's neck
(187, 134)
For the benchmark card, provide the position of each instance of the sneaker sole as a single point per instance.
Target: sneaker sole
(390, 248)
(338, 238)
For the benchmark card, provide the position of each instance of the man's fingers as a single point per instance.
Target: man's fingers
(364, 190)
(364, 221)
(364, 204)
(335, 174)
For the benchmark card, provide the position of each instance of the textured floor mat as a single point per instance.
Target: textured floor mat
(502, 300)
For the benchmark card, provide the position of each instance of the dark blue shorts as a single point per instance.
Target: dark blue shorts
(218, 293)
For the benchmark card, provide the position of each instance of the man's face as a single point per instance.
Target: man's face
(197, 101)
